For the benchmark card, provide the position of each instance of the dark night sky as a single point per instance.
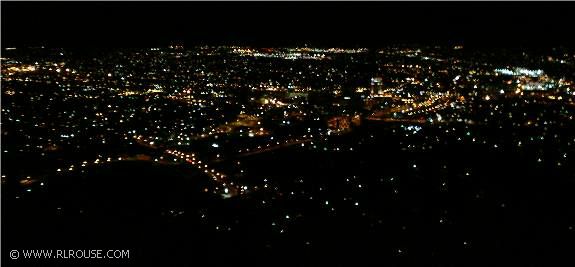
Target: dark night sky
(131, 24)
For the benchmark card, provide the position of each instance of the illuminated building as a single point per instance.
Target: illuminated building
(376, 86)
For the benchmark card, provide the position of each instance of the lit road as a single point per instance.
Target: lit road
(274, 146)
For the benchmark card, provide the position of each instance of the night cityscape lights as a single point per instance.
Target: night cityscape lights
(301, 133)
(290, 145)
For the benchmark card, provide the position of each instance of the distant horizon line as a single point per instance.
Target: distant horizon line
(304, 45)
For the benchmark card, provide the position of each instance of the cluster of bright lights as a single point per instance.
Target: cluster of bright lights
(520, 72)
